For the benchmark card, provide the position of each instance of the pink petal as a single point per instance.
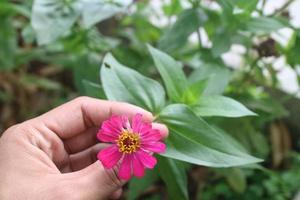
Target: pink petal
(111, 128)
(145, 128)
(157, 147)
(125, 168)
(120, 121)
(147, 160)
(138, 167)
(152, 135)
(107, 136)
(137, 123)
(109, 156)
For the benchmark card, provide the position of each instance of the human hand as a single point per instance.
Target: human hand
(53, 156)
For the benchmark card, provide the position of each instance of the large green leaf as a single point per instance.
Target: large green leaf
(174, 176)
(193, 140)
(171, 72)
(124, 84)
(187, 23)
(263, 24)
(53, 18)
(194, 91)
(220, 106)
(95, 11)
(218, 78)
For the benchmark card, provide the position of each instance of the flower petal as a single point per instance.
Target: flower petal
(147, 160)
(107, 136)
(111, 129)
(109, 156)
(119, 121)
(145, 128)
(138, 167)
(152, 135)
(157, 147)
(137, 123)
(125, 168)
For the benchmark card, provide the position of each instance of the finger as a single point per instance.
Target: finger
(82, 141)
(82, 113)
(162, 129)
(85, 158)
(95, 182)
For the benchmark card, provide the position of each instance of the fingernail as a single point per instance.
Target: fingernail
(162, 128)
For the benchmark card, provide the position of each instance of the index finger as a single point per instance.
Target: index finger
(82, 113)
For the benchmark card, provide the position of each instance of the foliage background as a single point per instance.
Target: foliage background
(51, 51)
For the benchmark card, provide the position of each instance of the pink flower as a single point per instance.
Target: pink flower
(131, 145)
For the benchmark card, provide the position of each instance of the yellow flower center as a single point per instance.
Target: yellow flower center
(128, 142)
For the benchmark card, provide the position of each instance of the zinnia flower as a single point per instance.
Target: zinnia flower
(131, 145)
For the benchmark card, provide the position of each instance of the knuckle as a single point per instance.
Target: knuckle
(11, 129)
(20, 133)
(15, 130)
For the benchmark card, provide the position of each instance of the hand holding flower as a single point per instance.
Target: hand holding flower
(54, 156)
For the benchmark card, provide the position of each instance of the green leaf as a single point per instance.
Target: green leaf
(220, 106)
(227, 6)
(171, 72)
(292, 50)
(218, 78)
(93, 89)
(85, 66)
(263, 24)
(95, 11)
(9, 8)
(221, 42)
(187, 23)
(138, 186)
(173, 8)
(194, 91)
(8, 43)
(124, 84)
(52, 19)
(247, 5)
(195, 141)
(40, 82)
(174, 176)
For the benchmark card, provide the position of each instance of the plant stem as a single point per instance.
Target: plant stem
(199, 38)
(261, 11)
(283, 7)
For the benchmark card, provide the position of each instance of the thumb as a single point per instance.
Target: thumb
(96, 182)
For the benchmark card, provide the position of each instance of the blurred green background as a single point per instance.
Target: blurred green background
(51, 52)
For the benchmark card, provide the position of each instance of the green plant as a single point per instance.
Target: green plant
(57, 47)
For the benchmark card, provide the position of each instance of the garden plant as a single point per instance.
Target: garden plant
(233, 131)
